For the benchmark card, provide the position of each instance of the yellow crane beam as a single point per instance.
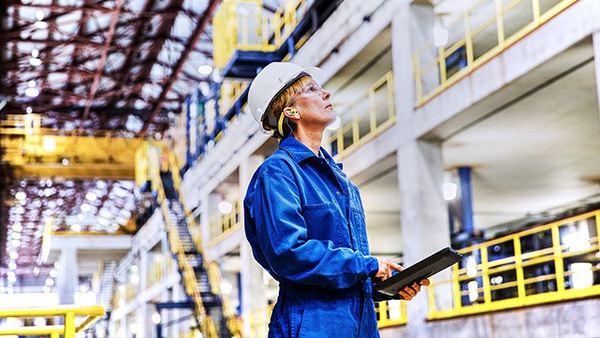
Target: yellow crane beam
(33, 151)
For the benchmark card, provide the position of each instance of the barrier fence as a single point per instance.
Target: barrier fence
(75, 318)
(548, 263)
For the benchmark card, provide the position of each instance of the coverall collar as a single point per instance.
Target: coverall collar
(299, 152)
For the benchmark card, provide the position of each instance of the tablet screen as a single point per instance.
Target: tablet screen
(423, 269)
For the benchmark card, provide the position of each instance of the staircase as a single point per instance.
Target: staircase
(104, 296)
(201, 279)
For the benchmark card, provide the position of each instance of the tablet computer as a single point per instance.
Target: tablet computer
(425, 268)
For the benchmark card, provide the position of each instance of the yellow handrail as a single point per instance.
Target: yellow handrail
(221, 225)
(248, 26)
(69, 312)
(499, 25)
(170, 163)
(365, 118)
(389, 313)
(544, 264)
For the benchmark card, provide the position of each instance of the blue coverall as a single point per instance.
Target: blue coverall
(306, 225)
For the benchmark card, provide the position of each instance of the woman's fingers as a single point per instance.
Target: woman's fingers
(409, 292)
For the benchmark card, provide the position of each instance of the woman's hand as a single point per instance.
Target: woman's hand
(410, 291)
(386, 267)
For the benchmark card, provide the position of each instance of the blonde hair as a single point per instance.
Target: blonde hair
(284, 99)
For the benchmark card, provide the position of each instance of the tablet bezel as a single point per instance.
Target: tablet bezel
(425, 268)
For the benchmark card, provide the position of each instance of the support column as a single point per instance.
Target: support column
(424, 218)
(143, 316)
(466, 200)
(596, 46)
(68, 275)
(423, 210)
(253, 290)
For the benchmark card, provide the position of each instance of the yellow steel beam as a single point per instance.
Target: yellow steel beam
(70, 156)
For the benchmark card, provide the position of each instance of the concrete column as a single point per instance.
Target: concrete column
(412, 26)
(143, 269)
(122, 331)
(253, 290)
(68, 275)
(424, 217)
(205, 214)
(143, 316)
(596, 46)
(423, 210)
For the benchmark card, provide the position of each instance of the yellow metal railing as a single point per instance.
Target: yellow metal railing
(154, 273)
(187, 272)
(69, 313)
(258, 320)
(189, 276)
(221, 225)
(365, 118)
(230, 92)
(247, 25)
(389, 313)
(548, 263)
(130, 291)
(118, 299)
(215, 281)
(484, 31)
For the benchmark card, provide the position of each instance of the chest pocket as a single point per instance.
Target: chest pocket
(358, 220)
(325, 222)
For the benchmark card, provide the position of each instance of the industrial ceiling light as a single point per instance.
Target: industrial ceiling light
(440, 34)
(40, 23)
(225, 207)
(205, 70)
(449, 188)
(156, 318)
(34, 60)
(31, 91)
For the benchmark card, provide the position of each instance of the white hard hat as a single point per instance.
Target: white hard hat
(270, 82)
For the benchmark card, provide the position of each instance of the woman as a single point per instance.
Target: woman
(304, 219)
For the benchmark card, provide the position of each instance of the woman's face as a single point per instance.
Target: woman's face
(312, 103)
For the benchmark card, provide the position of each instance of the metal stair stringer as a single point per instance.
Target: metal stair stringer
(105, 292)
(201, 279)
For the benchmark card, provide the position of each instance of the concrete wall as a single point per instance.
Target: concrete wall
(567, 319)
